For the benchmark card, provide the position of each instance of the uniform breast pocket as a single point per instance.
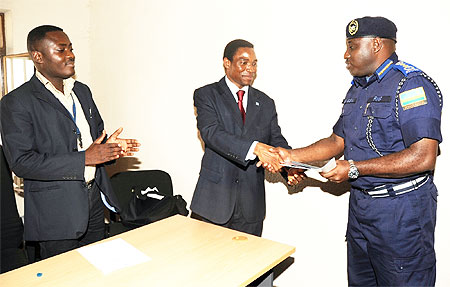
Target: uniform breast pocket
(346, 114)
(347, 108)
(380, 121)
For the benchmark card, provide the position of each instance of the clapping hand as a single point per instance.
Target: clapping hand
(129, 146)
(112, 149)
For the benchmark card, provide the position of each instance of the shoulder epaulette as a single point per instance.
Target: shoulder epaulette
(405, 68)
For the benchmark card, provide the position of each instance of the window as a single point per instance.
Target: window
(17, 70)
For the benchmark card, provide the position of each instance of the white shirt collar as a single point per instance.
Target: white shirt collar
(234, 89)
(67, 84)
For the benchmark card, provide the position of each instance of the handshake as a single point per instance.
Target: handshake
(272, 158)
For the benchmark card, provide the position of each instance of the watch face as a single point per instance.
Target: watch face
(353, 173)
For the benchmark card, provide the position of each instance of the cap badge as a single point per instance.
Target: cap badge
(353, 27)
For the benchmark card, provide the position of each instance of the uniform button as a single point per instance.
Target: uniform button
(356, 128)
(351, 149)
(237, 181)
(360, 107)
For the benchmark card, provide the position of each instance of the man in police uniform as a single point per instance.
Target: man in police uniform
(389, 132)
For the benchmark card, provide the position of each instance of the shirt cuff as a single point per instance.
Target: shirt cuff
(250, 154)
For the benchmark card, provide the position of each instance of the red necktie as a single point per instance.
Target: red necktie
(240, 94)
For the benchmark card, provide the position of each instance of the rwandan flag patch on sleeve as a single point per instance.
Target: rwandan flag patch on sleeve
(413, 98)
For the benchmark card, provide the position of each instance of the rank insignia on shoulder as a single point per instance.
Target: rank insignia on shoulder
(406, 68)
(413, 98)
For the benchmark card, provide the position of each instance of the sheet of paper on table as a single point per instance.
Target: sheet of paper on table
(113, 255)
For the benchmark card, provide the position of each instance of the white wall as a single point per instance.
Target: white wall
(73, 16)
(143, 60)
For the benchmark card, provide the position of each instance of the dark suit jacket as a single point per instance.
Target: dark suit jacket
(225, 175)
(40, 144)
(11, 231)
(11, 228)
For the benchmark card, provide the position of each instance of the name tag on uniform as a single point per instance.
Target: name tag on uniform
(379, 99)
(349, 101)
(413, 98)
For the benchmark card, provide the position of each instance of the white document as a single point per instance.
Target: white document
(113, 255)
(331, 164)
(313, 171)
(296, 164)
(326, 168)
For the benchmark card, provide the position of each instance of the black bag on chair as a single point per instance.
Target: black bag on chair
(147, 206)
(145, 196)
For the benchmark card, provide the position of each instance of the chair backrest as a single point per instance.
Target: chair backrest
(126, 182)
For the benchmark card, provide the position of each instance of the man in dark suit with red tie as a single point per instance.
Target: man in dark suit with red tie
(238, 125)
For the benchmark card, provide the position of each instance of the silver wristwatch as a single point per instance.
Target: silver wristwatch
(353, 173)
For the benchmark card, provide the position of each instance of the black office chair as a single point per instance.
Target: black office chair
(11, 230)
(129, 184)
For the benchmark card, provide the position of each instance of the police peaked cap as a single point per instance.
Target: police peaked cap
(371, 27)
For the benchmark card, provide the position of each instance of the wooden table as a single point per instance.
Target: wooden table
(184, 252)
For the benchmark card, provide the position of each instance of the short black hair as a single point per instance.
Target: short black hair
(37, 34)
(233, 46)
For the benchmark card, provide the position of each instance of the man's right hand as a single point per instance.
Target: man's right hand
(284, 154)
(269, 160)
(99, 153)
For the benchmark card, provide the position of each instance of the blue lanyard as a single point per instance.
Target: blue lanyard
(74, 118)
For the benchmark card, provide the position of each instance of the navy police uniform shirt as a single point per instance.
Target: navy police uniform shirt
(397, 123)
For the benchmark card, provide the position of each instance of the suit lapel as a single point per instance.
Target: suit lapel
(42, 93)
(253, 108)
(87, 109)
(230, 102)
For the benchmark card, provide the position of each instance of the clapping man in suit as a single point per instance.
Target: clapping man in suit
(53, 137)
(237, 124)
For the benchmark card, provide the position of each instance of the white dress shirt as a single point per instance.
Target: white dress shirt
(234, 89)
(67, 99)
